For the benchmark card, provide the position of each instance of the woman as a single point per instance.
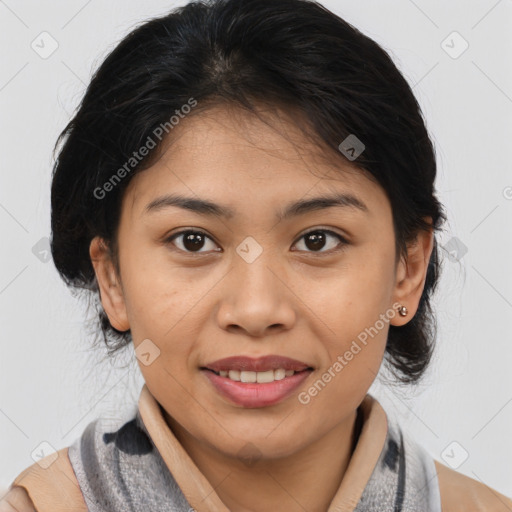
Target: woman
(248, 189)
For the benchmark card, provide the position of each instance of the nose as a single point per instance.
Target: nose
(256, 300)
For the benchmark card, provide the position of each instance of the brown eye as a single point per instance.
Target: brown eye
(316, 240)
(191, 241)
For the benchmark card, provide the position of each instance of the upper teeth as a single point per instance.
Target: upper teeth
(260, 377)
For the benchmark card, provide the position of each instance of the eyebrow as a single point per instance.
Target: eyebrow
(208, 208)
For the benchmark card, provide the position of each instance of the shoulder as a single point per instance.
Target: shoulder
(47, 485)
(460, 493)
(17, 500)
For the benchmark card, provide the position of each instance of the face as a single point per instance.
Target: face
(255, 276)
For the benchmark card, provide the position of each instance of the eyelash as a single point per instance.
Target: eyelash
(343, 241)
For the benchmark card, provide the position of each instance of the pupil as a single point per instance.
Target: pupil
(193, 241)
(317, 238)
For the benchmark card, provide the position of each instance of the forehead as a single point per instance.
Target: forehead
(269, 134)
(227, 151)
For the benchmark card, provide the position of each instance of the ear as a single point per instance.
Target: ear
(111, 292)
(411, 274)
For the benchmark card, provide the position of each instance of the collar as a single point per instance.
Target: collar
(202, 496)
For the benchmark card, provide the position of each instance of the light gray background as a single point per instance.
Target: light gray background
(52, 385)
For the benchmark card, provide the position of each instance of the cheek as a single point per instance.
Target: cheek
(153, 290)
(354, 355)
(354, 295)
(354, 308)
(164, 305)
(152, 304)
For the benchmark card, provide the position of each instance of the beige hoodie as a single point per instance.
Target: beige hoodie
(56, 488)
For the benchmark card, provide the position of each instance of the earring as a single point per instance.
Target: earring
(403, 311)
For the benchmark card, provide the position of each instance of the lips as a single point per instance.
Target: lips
(261, 364)
(260, 382)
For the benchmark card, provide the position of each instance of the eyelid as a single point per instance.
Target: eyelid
(341, 246)
(325, 229)
(168, 239)
(343, 239)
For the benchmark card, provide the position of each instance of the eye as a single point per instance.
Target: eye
(318, 238)
(191, 241)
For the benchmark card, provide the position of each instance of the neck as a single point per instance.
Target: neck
(306, 480)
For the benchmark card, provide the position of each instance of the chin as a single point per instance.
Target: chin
(252, 448)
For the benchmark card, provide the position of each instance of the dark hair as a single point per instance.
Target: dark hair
(293, 53)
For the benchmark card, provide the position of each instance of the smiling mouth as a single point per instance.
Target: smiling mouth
(251, 377)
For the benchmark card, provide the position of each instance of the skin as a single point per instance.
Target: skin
(296, 299)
